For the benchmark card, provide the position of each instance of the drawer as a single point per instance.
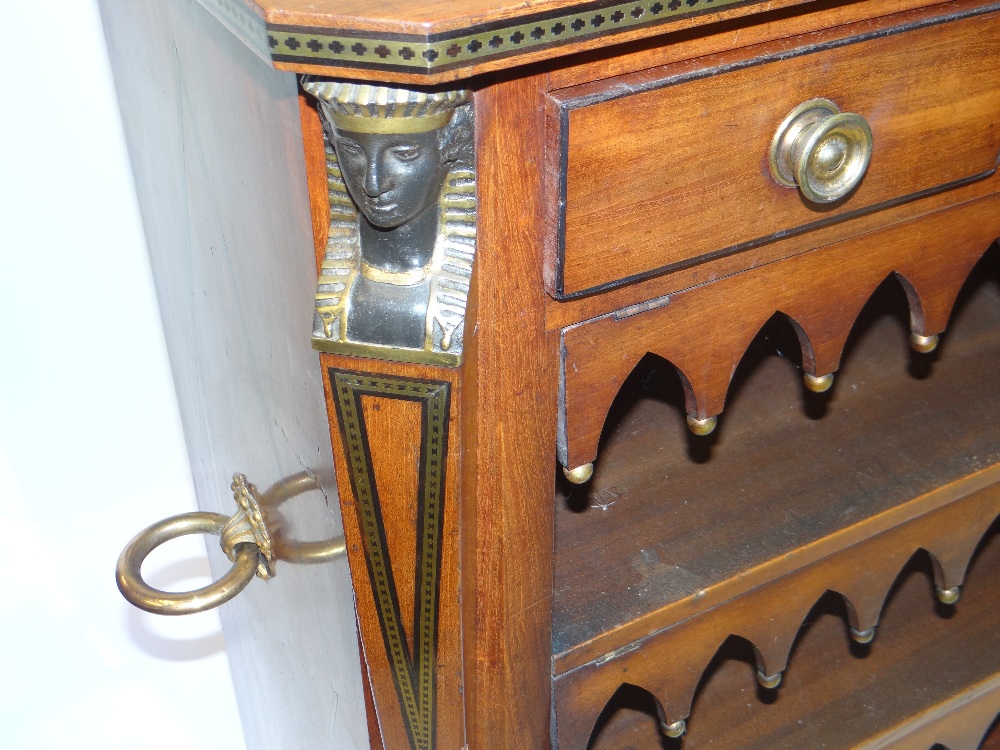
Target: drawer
(670, 168)
(703, 332)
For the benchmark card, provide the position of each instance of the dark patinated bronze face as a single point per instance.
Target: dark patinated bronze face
(395, 180)
(392, 177)
(396, 274)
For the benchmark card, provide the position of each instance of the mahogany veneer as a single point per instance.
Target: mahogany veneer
(673, 582)
(634, 261)
(786, 468)
(686, 140)
(636, 265)
(839, 694)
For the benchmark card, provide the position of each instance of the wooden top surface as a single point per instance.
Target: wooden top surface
(444, 40)
(414, 17)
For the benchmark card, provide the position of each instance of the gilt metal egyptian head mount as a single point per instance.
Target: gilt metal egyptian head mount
(401, 173)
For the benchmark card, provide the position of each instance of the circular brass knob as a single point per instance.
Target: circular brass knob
(821, 150)
(702, 427)
(948, 596)
(581, 474)
(923, 344)
(674, 730)
(864, 637)
(820, 384)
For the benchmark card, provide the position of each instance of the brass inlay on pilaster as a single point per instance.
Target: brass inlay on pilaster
(413, 675)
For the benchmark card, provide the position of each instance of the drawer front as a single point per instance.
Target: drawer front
(704, 332)
(667, 169)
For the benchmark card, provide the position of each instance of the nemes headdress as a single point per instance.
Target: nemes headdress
(362, 108)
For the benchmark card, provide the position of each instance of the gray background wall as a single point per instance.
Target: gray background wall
(90, 442)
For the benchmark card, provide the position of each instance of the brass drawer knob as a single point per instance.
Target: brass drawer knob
(821, 150)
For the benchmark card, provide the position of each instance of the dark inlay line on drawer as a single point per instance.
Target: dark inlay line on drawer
(566, 106)
(740, 247)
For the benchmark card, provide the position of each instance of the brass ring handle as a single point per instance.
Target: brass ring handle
(245, 538)
(314, 553)
(305, 553)
(129, 569)
(821, 150)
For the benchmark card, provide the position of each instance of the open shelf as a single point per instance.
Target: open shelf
(837, 694)
(668, 515)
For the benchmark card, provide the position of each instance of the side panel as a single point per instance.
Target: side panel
(217, 156)
(397, 446)
(509, 388)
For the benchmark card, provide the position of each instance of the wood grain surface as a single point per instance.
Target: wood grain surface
(797, 477)
(542, 607)
(766, 24)
(509, 380)
(992, 741)
(314, 152)
(564, 27)
(705, 331)
(408, 617)
(669, 167)
(957, 723)
(429, 16)
(493, 666)
(465, 38)
(837, 695)
(769, 618)
(565, 313)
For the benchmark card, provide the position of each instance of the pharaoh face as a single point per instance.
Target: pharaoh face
(393, 177)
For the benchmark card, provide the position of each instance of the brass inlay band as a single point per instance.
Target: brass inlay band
(394, 125)
(373, 351)
(414, 677)
(418, 53)
(397, 278)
